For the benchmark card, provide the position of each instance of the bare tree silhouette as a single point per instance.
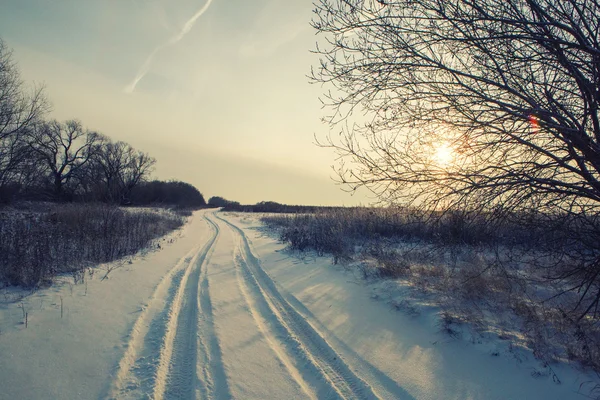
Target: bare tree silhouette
(510, 87)
(19, 111)
(64, 149)
(119, 168)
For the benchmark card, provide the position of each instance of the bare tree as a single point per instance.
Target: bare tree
(509, 89)
(64, 149)
(18, 112)
(120, 168)
(138, 168)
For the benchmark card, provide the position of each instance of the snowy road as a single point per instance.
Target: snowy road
(222, 312)
(174, 351)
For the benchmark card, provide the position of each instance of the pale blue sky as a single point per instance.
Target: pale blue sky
(227, 107)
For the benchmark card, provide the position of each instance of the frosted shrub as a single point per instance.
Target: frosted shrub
(35, 246)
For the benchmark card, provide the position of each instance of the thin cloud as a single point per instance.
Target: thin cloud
(148, 63)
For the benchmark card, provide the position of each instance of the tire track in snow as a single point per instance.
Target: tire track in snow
(212, 380)
(176, 374)
(258, 309)
(162, 355)
(137, 364)
(302, 349)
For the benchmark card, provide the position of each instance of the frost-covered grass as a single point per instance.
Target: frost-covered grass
(40, 241)
(487, 279)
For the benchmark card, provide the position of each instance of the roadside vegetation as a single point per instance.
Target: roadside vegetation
(64, 189)
(490, 279)
(41, 241)
(478, 124)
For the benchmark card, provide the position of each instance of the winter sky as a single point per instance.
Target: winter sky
(215, 90)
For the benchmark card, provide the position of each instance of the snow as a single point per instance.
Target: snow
(221, 310)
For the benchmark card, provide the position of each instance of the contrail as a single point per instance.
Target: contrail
(184, 30)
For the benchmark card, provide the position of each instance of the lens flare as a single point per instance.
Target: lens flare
(534, 122)
(443, 155)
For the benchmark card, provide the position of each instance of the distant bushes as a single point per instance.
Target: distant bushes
(218, 201)
(171, 193)
(263, 207)
(271, 207)
(38, 244)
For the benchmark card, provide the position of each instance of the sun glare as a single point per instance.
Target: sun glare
(443, 155)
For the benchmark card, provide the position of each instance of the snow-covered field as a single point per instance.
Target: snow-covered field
(221, 311)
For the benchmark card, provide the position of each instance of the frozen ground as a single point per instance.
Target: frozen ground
(221, 311)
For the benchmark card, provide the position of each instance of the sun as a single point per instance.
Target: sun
(443, 154)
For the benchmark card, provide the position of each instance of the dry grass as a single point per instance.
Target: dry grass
(41, 241)
(485, 278)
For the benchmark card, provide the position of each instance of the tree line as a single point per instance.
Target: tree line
(266, 207)
(51, 160)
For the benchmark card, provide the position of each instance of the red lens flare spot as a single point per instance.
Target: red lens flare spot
(535, 123)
